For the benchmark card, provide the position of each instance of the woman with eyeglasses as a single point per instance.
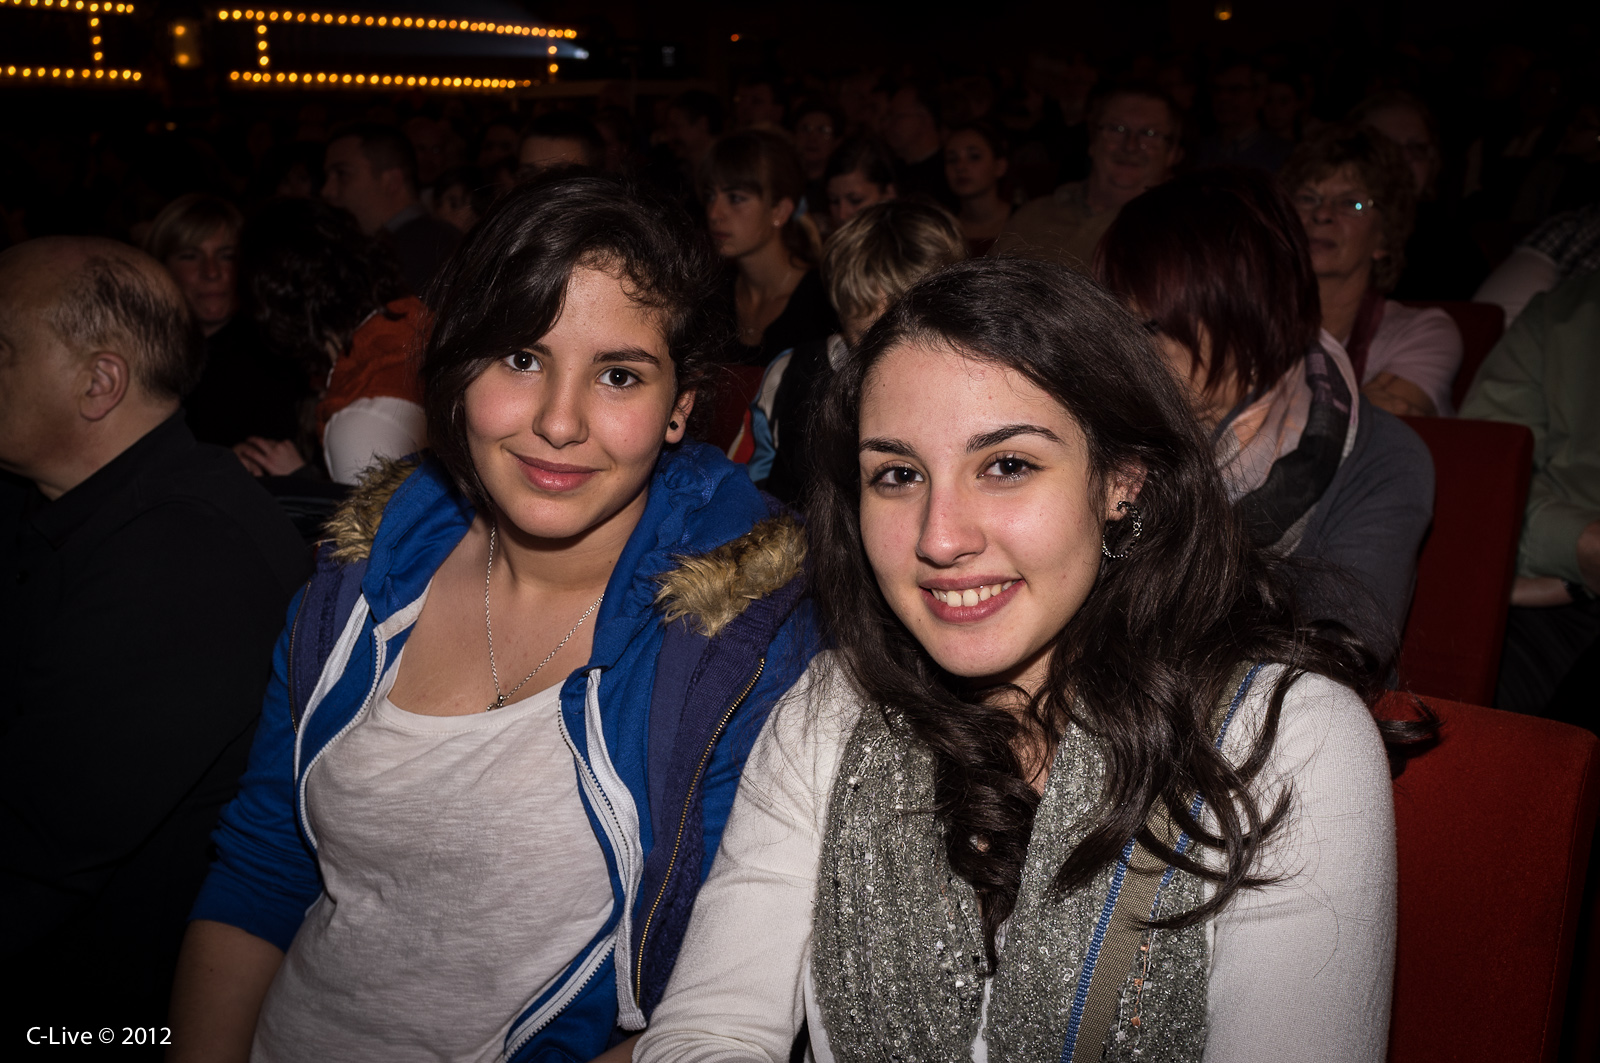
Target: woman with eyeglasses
(1355, 194)
(1216, 265)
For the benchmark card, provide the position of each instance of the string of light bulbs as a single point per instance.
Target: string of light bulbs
(81, 75)
(410, 22)
(334, 80)
(93, 7)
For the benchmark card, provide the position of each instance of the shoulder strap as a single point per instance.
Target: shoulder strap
(1140, 880)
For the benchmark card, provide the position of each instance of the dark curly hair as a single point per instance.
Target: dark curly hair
(312, 276)
(1379, 164)
(504, 288)
(1150, 654)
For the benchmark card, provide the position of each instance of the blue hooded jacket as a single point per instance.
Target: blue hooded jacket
(701, 631)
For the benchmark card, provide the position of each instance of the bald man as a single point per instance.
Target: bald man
(143, 578)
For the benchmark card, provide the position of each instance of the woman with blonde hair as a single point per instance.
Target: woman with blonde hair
(247, 388)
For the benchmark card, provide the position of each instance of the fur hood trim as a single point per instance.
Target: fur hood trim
(715, 587)
(354, 525)
(712, 589)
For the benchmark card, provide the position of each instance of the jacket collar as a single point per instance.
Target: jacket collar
(698, 501)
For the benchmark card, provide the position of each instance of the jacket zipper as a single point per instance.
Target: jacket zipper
(683, 819)
(294, 629)
(378, 656)
(559, 1004)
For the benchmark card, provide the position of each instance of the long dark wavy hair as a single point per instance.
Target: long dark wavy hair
(1144, 663)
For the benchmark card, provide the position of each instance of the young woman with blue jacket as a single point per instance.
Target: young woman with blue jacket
(509, 712)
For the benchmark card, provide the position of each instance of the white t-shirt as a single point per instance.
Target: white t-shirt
(460, 875)
(1301, 969)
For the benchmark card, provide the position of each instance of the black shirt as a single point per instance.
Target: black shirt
(247, 389)
(421, 243)
(137, 617)
(808, 315)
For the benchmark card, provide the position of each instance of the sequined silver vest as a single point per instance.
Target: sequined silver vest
(897, 948)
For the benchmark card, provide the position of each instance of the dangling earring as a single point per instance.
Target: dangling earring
(1138, 526)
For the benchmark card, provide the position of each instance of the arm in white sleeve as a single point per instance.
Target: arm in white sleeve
(369, 429)
(1524, 274)
(737, 991)
(1303, 968)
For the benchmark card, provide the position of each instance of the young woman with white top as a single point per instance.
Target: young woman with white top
(1073, 784)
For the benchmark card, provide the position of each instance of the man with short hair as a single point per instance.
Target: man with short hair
(694, 121)
(758, 104)
(559, 138)
(372, 173)
(912, 133)
(143, 579)
(1133, 145)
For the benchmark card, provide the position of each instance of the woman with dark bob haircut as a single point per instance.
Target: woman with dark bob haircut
(510, 709)
(1074, 783)
(1217, 266)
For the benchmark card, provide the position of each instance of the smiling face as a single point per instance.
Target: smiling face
(1341, 224)
(970, 164)
(742, 221)
(980, 515)
(565, 434)
(207, 273)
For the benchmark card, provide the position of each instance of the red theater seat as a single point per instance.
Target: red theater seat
(733, 389)
(1481, 326)
(1494, 826)
(1451, 646)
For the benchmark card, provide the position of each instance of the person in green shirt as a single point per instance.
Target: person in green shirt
(1545, 373)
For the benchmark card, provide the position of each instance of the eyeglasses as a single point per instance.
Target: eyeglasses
(1147, 139)
(1345, 206)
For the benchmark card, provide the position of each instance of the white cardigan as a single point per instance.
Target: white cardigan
(1300, 969)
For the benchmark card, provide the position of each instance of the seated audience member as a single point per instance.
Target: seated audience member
(860, 173)
(372, 173)
(694, 122)
(1284, 106)
(430, 860)
(1134, 135)
(330, 296)
(1567, 245)
(560, 138)
(912, 133)
(758, 104)
(431, 146)
(1238, 92)
(975, 161)
(1354, 193)
(1544, 373)
(818, 131)
(1442, 261)
(453, 196)
(752, 185)
(1054, 651)
(499, 141)
(143, 576)
(246, 388)
(867, 263)
(1216, 265)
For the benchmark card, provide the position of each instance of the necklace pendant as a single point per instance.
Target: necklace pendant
(499, 700)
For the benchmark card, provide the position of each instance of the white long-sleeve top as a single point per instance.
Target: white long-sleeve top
(1300, 969)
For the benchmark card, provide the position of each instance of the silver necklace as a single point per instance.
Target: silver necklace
(500, 698)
